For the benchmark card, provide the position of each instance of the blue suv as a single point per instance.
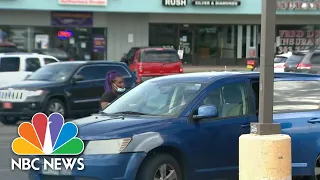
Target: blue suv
(186, 127)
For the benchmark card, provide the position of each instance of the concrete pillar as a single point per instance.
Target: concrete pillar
(239, 42)
(265, 157)
(248, 40)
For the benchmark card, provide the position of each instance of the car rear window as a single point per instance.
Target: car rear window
(280, 59)
(295, 58)
(293, 96)
(9, 64)
(160, 56)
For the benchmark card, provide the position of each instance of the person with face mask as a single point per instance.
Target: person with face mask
(114, 88)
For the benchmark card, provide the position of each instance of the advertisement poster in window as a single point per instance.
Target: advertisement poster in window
(19, 38)
(295, 40)
(41, 41)
(98, 44)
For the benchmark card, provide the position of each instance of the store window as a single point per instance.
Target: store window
(165, 35)
(71, 43)
(202, 44)
(296, 37)
(16, 35)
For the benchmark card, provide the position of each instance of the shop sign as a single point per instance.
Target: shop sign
(294, 40)
(298, 4)
(98, 44)
(71, 19)
(64, 34)
(216, 3)
(84, 2)
(174, 3)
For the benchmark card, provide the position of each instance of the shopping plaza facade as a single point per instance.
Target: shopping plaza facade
(221, 32)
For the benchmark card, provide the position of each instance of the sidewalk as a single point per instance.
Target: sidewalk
(190, 68)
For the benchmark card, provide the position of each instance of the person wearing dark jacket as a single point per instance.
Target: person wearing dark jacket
(114, 88)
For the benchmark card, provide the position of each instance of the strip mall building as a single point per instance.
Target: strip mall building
(220, 32)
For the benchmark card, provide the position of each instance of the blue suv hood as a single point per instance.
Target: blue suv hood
(97, 127)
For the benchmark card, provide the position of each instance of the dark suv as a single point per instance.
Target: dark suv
(310, 63)
(70, 88)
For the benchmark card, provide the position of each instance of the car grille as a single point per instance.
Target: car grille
(13, 95)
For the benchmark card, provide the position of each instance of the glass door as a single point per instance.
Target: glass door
(186, 44)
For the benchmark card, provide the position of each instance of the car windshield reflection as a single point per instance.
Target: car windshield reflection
(156, 98)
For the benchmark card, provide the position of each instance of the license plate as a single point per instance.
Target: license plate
(249, 67)
(7, 105)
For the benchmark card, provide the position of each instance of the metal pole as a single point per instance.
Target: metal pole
(268, 28)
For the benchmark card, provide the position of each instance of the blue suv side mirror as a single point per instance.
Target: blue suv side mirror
(206, 111)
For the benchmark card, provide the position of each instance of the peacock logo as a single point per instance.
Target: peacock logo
(47, 136)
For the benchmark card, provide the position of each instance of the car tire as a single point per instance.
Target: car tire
(55, 106)
(155, 164)
(9, 121)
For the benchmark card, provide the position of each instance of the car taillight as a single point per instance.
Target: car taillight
(140, 70)
(181, 69)
(304, 66)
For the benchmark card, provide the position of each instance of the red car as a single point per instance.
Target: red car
(153, 62)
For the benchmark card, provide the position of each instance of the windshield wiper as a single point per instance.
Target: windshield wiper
(131, 112)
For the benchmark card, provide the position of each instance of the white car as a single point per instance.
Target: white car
(15, 67)
(280, 62)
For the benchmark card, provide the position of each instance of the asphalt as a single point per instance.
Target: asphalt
(7, 134)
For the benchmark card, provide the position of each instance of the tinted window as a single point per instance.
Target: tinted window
(160, 56)
(49, 60)
(119, 69)
(32, 64)
(295, 59)
(57, 72)
(315, 59)
(230, 100)
(290, 96)
(9, 64)
(100, 72)
(280, 59)
(132, 52)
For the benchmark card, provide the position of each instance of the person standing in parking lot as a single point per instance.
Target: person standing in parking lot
(114, 87)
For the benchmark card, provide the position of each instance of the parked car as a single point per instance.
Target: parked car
(293, 61)
(57, 53)
(15, 67)
(6, 47)
(280, 62)
(310, 63)
(128, 57)
(188, 126)
(154, 62)
(70, 88)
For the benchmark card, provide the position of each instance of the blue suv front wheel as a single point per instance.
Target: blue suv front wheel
(160, 167)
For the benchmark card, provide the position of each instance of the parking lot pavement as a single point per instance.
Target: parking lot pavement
(7, 134)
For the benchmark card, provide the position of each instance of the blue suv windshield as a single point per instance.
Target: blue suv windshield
(158, 98)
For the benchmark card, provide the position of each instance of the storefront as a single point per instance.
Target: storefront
(211, 32)
(71, 32)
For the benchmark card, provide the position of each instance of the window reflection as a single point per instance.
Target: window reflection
(296, 96)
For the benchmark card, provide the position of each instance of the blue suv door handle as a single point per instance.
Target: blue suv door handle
(245, 125)
(314, 120)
